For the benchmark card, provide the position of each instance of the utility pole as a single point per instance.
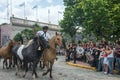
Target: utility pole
(11, 7)
(7, 10)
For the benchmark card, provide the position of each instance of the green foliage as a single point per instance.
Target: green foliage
(17, 37)
(37, 27)
(98, 17)
(69, 23)
(28, 34)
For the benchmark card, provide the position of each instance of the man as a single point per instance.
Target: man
(44, 33)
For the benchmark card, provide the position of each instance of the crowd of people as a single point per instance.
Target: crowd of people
(103, 56)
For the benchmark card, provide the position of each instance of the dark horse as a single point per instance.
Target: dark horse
(29, 54)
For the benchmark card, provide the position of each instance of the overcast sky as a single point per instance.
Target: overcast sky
(43, 10)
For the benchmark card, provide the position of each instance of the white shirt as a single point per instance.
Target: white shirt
(111, 54)
(101, 55)
(45, 35)
(80, 50)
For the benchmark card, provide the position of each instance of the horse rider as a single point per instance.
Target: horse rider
(44, 33)
(47, 37)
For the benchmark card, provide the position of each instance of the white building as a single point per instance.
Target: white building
(19, 24)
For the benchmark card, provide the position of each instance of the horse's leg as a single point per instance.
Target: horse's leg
(14, 58)
(51, 65)
(10, 62)
(42, 66)
(26, 69)
(48, 69)
(4, 63)
(34, 74)
(16, 67)
(30, 66)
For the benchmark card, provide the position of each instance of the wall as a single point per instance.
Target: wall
(6, 31)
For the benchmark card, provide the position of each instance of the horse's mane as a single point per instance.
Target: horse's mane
(29, 42)
(52, 41)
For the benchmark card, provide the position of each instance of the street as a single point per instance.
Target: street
(61, 71)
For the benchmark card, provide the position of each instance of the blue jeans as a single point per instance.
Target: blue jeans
(110, 64)
(118, 64)
(100, 64)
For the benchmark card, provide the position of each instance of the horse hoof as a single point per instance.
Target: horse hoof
(42, 67)
(44, 74)
(56, 58)
(51, 76)
(7, 67)
(33, 77)
(36, 76)
(13, 66)
(16, 74)
(23, 76)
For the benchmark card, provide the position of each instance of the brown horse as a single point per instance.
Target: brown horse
(5, 53)
(50, 54)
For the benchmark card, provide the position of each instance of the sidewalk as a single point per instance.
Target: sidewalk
(83, 65)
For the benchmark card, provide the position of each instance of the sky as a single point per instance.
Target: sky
(36, 10)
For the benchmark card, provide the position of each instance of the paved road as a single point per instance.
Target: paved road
(61, 71)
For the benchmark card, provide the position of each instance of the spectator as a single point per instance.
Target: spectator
(101, 58)
(117, 55)
(110, 58)
(80, 51)
(74, 53)
(96, 54)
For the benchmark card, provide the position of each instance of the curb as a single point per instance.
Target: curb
(81, 66)
(86, 67)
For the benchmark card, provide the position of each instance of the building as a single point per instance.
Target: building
(19, 24)
(5, 33)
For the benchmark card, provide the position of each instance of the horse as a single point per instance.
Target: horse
(6, 53)
(29, 54)
(49, 55)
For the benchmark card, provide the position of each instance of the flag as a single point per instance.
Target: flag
(59, 12)
(34, 7)
(48, 11)
(7, 5)
(22, 4)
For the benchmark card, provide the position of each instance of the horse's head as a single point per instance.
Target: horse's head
(11, 43)
(41, 42)
(58, 40)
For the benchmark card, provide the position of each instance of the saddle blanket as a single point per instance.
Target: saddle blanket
(19, 51)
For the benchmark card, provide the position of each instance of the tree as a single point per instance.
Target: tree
(36, 28)
(70, 22)
(17, 37)
(98, 17)
(27, 33)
